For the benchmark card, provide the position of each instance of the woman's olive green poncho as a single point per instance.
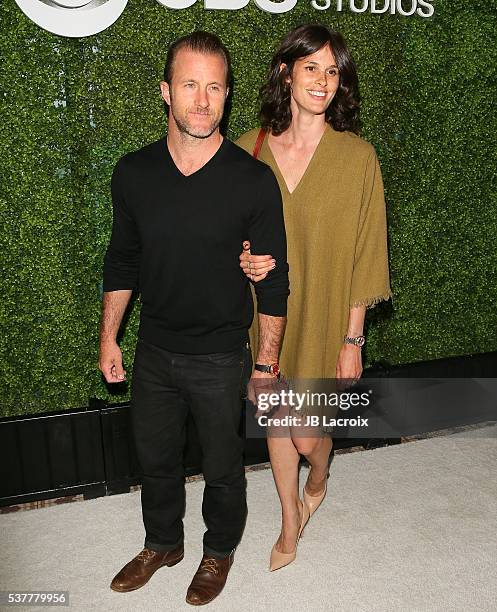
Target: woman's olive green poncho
(337, 248)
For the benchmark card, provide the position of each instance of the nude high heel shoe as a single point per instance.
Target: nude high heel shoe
(280, 559)
(314, 501)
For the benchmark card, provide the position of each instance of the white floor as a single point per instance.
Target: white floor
(410, 527)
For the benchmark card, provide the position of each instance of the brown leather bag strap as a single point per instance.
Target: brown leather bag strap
(258, 143)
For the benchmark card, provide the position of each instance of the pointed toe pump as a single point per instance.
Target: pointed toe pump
(314, 501)
(280, 559)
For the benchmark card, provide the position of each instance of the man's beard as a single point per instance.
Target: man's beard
(196, 132)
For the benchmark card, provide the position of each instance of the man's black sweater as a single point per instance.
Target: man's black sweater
(177, 239)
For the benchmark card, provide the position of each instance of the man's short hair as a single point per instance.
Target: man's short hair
(201, 42)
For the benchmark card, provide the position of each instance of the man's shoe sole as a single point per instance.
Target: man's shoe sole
(195, 603)
(166, 563)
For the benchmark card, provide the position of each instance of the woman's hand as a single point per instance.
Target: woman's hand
(349, 365)
(255, 267)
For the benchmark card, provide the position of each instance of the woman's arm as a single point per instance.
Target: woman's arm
(349, 363)
(255, 267)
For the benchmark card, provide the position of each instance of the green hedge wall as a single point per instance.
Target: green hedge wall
(71, 107)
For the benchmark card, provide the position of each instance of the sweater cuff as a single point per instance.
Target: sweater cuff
(118, 287)
(274, 306)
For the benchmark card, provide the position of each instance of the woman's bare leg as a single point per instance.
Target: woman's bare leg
(318, 459)
(285, 466)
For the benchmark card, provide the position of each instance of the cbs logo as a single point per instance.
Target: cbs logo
(73, 17)
(87, 17)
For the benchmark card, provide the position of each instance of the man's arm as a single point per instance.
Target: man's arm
(114, 305)
(120, 277)
(267, 235)
(271, 331)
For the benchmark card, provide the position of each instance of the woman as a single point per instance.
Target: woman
(335, 220)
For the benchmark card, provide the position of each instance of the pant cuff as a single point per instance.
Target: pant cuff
(216, 553)
(162, 547)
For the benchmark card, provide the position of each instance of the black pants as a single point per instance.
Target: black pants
(165, 387)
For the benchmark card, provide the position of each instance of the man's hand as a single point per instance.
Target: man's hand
(114, 304)
(111, 362)
(255, 267)
(261, 382)
(263, 385)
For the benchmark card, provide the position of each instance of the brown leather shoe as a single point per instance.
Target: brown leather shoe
(139, 570)
(209, 579)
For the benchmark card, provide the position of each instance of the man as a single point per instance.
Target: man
(191, 193)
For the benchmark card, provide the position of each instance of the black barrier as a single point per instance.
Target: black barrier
(89, 451)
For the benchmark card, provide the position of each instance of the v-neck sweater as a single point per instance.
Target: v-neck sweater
(177, 240)
(335, 221)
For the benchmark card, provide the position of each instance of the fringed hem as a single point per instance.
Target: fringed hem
(372, 301)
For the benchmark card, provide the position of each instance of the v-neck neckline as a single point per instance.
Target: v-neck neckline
(306, 171)
(209, 162)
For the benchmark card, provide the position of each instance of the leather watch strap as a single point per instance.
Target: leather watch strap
(272, 368)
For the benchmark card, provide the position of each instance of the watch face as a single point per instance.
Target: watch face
(360, 340)
(275, 369)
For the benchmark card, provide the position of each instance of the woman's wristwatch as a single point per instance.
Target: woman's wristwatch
(357, 341)
(272, 368)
